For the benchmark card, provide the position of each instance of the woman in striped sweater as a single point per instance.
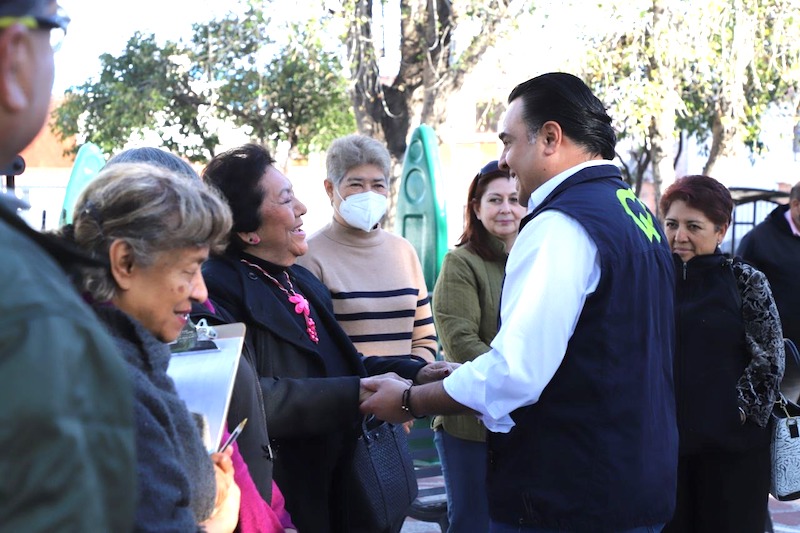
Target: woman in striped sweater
(379, 294)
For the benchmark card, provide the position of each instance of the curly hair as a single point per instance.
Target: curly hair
(150, 208)
(237, 175)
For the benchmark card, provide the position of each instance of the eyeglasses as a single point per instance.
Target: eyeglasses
(55, 24)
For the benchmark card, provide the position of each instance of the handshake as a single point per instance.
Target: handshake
(388, 396)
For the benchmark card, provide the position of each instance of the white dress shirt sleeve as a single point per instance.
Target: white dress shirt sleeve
(553, 267)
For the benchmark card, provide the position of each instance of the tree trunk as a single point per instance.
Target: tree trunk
(662, 121)
(385, 111)
(729, 110)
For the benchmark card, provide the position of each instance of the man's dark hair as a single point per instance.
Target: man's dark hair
(566, 100)
(795, 192)
(237, 175)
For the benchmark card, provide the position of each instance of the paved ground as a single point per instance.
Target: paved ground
(785, 516)
(785, 519)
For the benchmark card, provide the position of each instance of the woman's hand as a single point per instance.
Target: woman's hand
(364, 393)
(223, 469)
(435, 371)
(226, 508)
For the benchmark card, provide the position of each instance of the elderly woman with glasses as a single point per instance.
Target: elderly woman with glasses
(155, 230)
(310, 372)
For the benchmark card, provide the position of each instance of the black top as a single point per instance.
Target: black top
(334, 359)
(312, 414)
(773, 249)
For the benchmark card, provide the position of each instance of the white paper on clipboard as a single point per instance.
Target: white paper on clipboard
(204, 379)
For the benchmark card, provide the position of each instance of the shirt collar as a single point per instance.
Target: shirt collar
(538, 196)
(790, 220)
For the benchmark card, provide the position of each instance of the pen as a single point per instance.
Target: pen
(233, 436)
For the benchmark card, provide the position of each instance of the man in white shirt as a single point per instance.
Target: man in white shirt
(577, 387)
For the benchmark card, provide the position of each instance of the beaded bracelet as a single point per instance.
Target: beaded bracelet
(405, 404)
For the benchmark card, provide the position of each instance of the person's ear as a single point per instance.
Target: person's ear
(120, 255)
(551, 136)
(16, 60)
(723, 230)
(329, 190)
(476, 208)
(249, 237)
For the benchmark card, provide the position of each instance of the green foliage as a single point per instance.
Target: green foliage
(143, 88)
(230, 73)
(721, 65)
(301, 97)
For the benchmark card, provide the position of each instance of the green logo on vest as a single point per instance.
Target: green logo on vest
(643, 220)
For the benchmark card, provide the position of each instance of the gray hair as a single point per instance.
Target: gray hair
(150, 208)
(157, 157)
(349, 152)
(794, 194)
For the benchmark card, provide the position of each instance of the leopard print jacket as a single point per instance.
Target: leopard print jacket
(759, 385)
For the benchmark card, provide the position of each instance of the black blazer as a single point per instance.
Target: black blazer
(311, 417)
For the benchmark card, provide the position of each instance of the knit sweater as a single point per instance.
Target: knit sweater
(177, 486)
(466, 305)
(379, 294)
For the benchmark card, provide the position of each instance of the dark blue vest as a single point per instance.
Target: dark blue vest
(599, 450)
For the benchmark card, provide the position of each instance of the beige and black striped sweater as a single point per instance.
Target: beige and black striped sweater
(379, 294)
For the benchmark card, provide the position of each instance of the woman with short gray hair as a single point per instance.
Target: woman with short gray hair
(352, 151)
(154, 230)
(387, 314)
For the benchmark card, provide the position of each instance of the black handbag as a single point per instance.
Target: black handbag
(382, 483)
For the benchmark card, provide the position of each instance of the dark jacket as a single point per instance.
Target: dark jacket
(729, 354)
(66, 422)
(246, 402)
(599, 450)
(311, 417)
(177, 485)
(773, 249)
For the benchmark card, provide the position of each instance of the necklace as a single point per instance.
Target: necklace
(301, 306)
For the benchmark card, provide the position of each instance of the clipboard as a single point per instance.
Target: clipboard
(204, 378)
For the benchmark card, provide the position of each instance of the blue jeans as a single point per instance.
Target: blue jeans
(497, 527)
(464, 469)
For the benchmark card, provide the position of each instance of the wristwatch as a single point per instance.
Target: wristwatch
(742, 416)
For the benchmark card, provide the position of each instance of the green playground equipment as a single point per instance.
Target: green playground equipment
(88, 163)
(421, 215)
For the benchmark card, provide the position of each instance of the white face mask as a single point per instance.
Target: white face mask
(362, 210)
